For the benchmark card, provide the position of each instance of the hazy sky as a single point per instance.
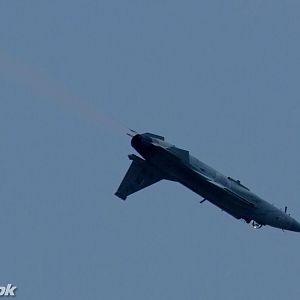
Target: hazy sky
(219, 78)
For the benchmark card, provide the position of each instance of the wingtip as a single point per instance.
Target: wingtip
(121, 196)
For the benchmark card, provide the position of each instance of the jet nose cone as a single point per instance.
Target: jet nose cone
(295, 226)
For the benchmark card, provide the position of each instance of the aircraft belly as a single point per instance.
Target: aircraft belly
(207, 190)
(230, 207)
(182, 173)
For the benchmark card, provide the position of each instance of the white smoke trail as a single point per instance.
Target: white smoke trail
(26, 75)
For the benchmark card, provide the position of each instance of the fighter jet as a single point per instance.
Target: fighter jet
(160, 160)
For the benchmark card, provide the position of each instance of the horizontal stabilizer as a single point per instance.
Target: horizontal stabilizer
(182, 154)
(155, 136)
(139, 175)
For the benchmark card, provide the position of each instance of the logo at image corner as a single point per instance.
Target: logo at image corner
(8, 290)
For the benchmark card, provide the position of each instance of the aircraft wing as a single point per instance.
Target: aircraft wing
(139, 175)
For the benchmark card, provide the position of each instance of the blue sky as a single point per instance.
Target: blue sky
(219, 79)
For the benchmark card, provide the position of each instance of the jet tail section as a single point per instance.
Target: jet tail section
(139, 175)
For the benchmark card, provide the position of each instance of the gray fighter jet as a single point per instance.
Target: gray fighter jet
(162, 160)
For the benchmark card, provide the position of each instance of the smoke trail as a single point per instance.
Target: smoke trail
(25, 75)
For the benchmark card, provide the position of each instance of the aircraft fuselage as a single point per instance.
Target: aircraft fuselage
(228, 194)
